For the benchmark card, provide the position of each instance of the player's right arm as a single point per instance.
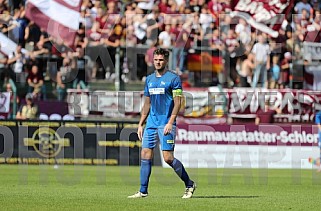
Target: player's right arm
(143, 117)
(318, 120)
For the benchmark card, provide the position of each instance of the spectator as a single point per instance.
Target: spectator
(35, 82)
(112, 42)
(261, 50)
(4, 9)
(179, 44)
(94, 10)
(31, 61)
(173, 8)
(149, 58)
(246, 71)
(216, 42)
(231, 45)
(154, 23)
(94, 36)
(303, 5)
(63, 77)
(6, 71)
(225, 25)
(215, 8)
(45, 40)
(13, 99)
(32, 35)
(80, 37)
(29, 110)
(130, 9)
(185, 82)
(112, 7)
(16, 26)
(164, 37)
(105, 21)
(302, 20)
(82, 67)
(243, 31)
(289, 42)
(196, 5)
(131, 39)
(17, 59)
(205, 18)
(200, 37)
(285, 70)
(145, 5)
(12, 28)
(163, 7)
(85, 18)
(265, 115)
(275, 73)
(140, 26)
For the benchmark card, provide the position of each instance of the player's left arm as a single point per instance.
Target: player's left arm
(177, 105)
(177, 95)
(318, 120)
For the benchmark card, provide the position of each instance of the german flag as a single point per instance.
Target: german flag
(205, 61)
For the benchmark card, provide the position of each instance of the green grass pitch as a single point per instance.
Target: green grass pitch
(33, 187)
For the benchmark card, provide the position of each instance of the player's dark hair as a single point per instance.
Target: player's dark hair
(162, 51)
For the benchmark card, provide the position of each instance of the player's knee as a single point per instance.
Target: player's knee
(146, 154)
(168, 160)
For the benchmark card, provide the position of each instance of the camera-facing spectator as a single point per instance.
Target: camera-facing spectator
(30, 110)
(35, 82)
(261, 50)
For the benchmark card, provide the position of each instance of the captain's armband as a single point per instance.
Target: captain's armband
(177, 93)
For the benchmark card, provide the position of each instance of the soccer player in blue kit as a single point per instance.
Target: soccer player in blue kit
(317, 161)
(163, 92)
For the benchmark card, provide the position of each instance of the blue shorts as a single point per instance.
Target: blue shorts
(152, 135)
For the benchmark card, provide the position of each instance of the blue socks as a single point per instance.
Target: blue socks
(145, 170)
(181, 172)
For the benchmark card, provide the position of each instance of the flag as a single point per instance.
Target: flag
(204, 61)
(59, 18)
(264, 15)
(4, 104)
(7, 46)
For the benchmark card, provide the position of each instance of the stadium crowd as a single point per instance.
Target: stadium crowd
(250, 58)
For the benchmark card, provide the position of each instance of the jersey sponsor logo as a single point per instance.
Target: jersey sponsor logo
(162, 83)
(157, 91)
(170, 141)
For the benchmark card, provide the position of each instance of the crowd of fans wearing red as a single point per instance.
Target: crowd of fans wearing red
(251, 58)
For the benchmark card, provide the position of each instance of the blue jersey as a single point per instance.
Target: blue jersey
(318, 118)
(318, 122)
(160, 90)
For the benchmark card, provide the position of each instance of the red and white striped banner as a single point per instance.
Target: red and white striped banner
(264, 15)
(59, 18)
(8, 46)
